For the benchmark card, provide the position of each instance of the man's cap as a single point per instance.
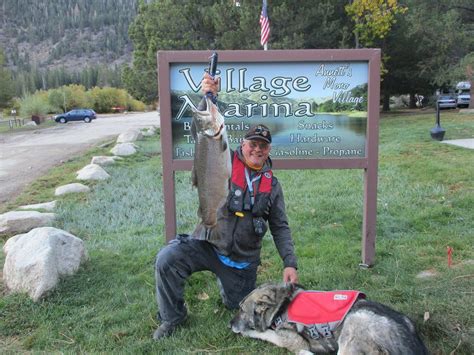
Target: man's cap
(259, 132)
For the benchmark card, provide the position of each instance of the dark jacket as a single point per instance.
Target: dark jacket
(235, 236)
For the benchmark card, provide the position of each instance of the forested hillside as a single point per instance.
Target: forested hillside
(426, 44)
(69, 33)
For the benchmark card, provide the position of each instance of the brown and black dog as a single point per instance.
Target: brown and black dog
(365, 328)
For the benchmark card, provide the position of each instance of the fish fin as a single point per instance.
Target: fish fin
(193, 130)
(224, 144)
(194, 178)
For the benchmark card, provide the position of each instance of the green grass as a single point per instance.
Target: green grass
(425, 203)
(5, 128)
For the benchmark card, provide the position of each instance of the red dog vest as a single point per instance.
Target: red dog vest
(316, 307)
(320, 312)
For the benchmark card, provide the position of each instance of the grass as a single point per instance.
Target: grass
(5, 128)
(425, 199)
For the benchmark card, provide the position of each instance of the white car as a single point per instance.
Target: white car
(447, 101)
(463, 90)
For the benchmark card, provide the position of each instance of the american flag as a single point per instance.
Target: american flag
(265, 25)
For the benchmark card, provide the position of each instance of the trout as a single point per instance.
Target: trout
(212, 164)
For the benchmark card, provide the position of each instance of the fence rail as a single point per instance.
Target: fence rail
(12, 123)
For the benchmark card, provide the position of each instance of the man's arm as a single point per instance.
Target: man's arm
(281, 233)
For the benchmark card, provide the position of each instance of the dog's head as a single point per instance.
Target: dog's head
(260, 307)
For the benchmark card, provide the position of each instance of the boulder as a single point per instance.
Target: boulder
(146, 132)
(427, 274)
(124, 149)
(92, 172)
(71, 188)
(104, 160)
(31, 123)
(129, 136)
(35, 261)
(23, 221)
(47, 206)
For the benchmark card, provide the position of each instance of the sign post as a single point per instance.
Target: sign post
(322, 107)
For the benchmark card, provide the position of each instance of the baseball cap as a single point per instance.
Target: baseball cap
(260, 132)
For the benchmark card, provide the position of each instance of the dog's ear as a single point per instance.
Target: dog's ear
(271, 302)
(291, 288)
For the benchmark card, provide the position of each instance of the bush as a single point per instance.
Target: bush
(103, 99)
(14, 105)
(135, 105)
(68, 97)
(34, 105)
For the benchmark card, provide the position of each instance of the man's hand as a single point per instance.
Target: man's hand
(209, 85)
(290, 275)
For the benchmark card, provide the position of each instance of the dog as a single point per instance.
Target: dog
(282, 315)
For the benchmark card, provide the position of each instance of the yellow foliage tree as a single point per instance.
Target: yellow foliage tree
(373, 19)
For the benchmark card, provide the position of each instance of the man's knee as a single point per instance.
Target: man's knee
(162, 260)
(167, 257)
(175, 258)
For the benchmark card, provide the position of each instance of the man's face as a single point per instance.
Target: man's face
(255, 152)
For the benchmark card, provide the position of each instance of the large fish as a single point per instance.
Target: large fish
(212, 164)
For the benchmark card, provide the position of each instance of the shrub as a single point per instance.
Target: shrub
(34, 105)
(68, 97)
(14, 105)
(103, 99)
(135, 105)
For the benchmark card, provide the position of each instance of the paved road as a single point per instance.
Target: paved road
(26, 155)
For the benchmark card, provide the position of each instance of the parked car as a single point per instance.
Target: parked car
(86, 115)
(463, 90)
(447, 101)
(464, 100)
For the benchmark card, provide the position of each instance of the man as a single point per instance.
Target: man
(255, 199)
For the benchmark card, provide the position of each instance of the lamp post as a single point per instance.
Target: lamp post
(437, 132)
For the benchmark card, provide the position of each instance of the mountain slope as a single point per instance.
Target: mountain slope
(69, 33)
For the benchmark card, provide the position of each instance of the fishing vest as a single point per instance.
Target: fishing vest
(237, 201)
(318, 312)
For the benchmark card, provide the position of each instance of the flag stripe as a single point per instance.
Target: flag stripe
(265, 25)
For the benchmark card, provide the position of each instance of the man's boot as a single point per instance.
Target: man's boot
(164, 330)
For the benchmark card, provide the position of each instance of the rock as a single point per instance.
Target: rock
(104, 161)
(107, 144)
(129, 136)
(35, 261)
(71, 188)
(92, 172)
(23, 221)
(31, 123)
(426, 274)
(124, 149)
(146, 132)
(47, 206)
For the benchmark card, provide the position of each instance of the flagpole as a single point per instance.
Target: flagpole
(265, 26)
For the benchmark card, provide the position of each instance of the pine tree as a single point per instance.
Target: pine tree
(6, 82)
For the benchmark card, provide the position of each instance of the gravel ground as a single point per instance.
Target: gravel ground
(27, 155)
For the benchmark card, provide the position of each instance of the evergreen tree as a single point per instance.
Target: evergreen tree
(6, 83)
(194, 25)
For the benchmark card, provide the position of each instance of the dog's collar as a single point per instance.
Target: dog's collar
(281, 315)
(278, 321)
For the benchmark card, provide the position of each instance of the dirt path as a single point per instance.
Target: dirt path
(27, 155)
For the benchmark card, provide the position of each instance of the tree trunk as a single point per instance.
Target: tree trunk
(386, 102)
(412, 103)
